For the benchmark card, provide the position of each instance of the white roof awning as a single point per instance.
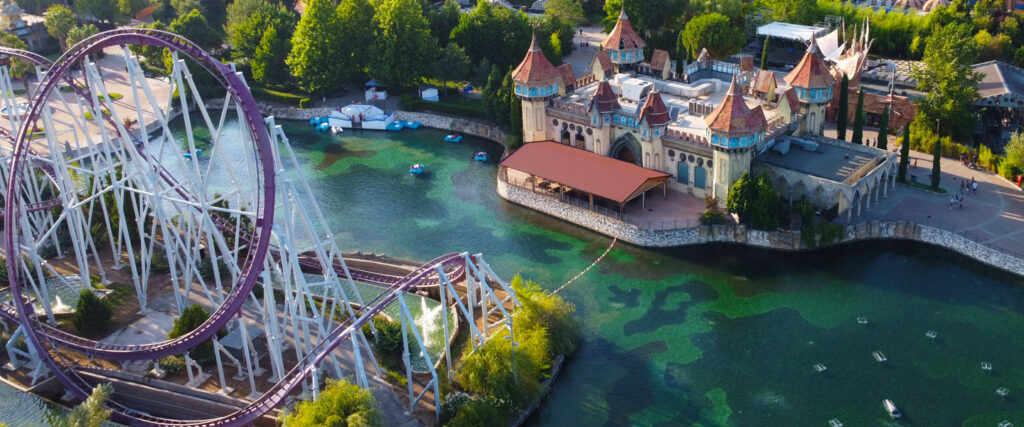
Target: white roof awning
(787, 31)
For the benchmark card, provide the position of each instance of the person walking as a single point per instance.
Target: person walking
(974, 186)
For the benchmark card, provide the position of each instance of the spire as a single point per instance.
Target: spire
(535, 69)
(622, 14)
(733, 116)
(623, 36)
(813, 48)
(655, 111)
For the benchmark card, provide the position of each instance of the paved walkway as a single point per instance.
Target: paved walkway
(993, 216)
(581, 56)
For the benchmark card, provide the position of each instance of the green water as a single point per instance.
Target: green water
(715, 335)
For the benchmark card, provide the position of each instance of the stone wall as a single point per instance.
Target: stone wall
(781, 240)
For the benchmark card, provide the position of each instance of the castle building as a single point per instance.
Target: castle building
(702, 126)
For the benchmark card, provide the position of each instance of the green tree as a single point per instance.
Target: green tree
(499, 35)
(404, 48)
(490, 372)
(948, 80)
(355, 20)
(103, 10)
(883, 129)
(681, 54)
(565, 11)
(764, 54)
(858, 119)
(444, 20)
(193, 26)
(78, 34)
(494, 104)
(741, 196)
(516, 118)
(715, 32)
(268, 60)
(131, 7)
(152, 56)
(937, 164)
(19, 68)
(844, 108)
(1014, 152)
(452, 65)
(648, 17)
(183, 7)
(762, 215)
(795, 11)
(314, 56)
(340, 404)
(36, 7)
(191, 318)
(59, 21)
(248, 20)
(92, 315)
(904, 154)
(92, 412)
(549, 311)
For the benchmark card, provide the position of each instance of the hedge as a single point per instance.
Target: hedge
(282, 97)
(410, 103)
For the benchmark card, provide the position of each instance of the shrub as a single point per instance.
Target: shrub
(341, 403)
(388, 341)
(191, 318)
(489, 371)
(205, 268)
(172, 365)
(453, 403)
(709, 217)
(282, 97)
(471, 109)
(548, 312)
(478, 412)
(92, 314)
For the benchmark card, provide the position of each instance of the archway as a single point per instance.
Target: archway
(565, 137)
(579, 141)
(627, 149)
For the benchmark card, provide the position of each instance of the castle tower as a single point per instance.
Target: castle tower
(734, 131)
(603, 105)
(536, 81)
(813, 84)
(624, 46)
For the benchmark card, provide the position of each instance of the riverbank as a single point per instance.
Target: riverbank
(741, 234)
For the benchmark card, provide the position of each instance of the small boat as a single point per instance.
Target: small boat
(453, 137)
(337, 129)
(820, 368)
(323, 127)
(188, 153)
(416, 169)
(393, 126)
(891, 409)
(879, 356)
(481, 157)
(411, 125)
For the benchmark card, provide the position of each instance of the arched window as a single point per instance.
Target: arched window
(714, 139)
(732, 142)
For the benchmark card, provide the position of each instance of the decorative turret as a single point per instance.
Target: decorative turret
(604, 100)
(536, 81)
(813, 84)
(535, 77)
(733, 125)
(810, 78)
(624, 46)
(734, 130)
(655, 115)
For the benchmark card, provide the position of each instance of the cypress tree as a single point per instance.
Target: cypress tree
(858, 120)
(764, 54)
(936, 162)
(883, 129)
(904, 153)
(844, 108)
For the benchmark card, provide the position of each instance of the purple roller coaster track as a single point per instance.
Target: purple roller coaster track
(47, 340)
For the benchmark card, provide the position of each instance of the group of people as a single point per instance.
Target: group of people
(957, 200)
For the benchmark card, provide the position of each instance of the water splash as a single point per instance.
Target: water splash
(60, 307)
(428, 321)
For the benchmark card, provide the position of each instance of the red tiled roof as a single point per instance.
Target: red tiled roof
(604, 99)
(811, 71)
(568, 76)
(535, 68)
(763, 81)
(606, 61)
(654, 111)
(582, 170)
(623, 34)
(733, 116)
(659, 60)
(790, 96)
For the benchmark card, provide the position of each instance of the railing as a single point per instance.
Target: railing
(638, 221)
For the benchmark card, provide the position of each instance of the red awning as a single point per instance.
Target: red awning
(582, 170)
